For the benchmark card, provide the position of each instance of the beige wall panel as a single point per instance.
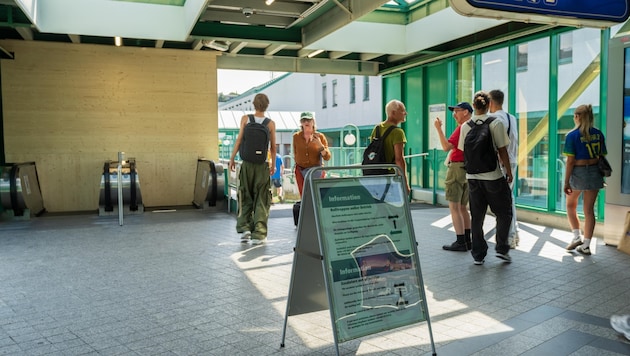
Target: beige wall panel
(70, 107)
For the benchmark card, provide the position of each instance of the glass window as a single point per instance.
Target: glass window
(494, 72)
(324, 94)
(353, 92)
(532, 108)
(465, 82)
(334, 93)
(566, 48)
(366, 88)
(578, 83)
(521, 58)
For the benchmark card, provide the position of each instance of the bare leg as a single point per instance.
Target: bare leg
(463, 210)
(572, 202)
(589, 197)
(458, 219)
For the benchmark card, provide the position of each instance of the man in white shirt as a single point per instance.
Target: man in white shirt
(509, 122)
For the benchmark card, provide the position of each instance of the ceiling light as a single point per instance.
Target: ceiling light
(269, 2)
(216, 44)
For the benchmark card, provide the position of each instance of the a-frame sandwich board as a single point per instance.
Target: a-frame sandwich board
(356, 255)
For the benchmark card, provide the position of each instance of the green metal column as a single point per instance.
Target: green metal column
(552, 176)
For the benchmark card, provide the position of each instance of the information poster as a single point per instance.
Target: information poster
(368, 245)
(435, 111)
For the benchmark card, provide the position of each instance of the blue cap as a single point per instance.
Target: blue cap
(463, 105)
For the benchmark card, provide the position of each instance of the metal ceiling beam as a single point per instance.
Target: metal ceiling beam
(254, 19)
(370, 56)
(277, 7)
(301, 65)
(273, 49)
(337, 54)
(75, 38)
(237, 47)
(246, 33)
(25, 32)
(335, 18)
(196, 45)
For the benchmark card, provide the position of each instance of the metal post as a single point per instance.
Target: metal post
(121, 157)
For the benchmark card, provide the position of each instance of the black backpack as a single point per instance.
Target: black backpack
(375, 152)
(255, 142)
(479, 153)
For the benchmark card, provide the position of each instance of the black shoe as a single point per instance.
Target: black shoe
(455, 246)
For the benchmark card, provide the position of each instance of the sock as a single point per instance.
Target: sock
(586, 244)
(576, 234)
(467, 233)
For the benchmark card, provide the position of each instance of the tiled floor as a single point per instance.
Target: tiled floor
(181, 283)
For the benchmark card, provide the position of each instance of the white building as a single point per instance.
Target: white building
(337, 100)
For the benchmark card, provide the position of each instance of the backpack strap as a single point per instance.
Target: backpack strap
(378, 131)
(253, 120)
(389, 129)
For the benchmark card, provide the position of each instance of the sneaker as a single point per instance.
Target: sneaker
(258, 241)
(455, 246)
(478, 262)
(621, 324)
(246, 236)
(505, 257)
(584, 250)
(574, 244)
(512, 242)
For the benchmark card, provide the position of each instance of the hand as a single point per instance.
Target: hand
(509, 178)
(232, 165)
(315, 138)
(437, 123)
(567, 189)
(272, 170)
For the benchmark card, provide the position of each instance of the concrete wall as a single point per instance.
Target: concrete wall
(70, 107)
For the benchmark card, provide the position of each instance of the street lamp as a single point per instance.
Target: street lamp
(351, 139)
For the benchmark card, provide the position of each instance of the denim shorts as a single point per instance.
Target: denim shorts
(277, 182)
(586, 178)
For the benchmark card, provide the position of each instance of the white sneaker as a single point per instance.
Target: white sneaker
(246, 236)
(258, 241)
(621, 324)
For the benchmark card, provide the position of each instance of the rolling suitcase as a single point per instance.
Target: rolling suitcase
(296, 212)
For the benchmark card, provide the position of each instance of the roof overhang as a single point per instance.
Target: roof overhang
(147, 20)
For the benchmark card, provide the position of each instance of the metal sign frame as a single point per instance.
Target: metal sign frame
(599, 14)
(356, 255)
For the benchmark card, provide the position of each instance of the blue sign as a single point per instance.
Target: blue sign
(603, 10)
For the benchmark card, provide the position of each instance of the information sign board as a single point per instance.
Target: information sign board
(359, 231)
(562, 12)
(369, 254)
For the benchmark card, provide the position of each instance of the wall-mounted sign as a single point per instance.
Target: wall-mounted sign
(601, 13)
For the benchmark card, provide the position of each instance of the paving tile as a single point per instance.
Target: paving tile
(183, 284)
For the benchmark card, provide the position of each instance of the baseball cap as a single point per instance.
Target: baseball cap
(307, 115)
(463, 105)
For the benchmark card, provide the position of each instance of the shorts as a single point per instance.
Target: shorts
(586, 178)
(277, 182)
(456, 185)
